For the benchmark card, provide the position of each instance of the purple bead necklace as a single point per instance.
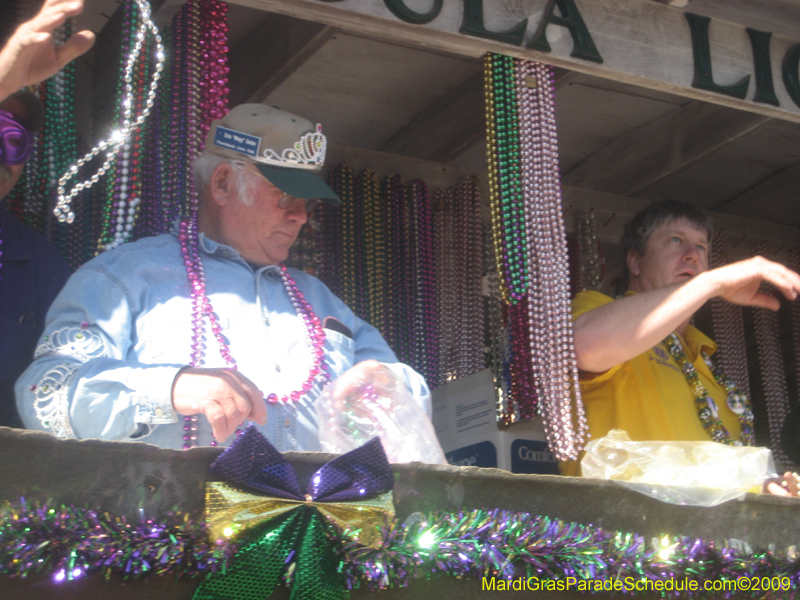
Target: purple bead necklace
(202, 309)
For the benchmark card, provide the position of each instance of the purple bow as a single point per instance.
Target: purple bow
(252, 462)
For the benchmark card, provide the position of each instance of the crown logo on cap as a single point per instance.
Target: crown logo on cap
(308, 153)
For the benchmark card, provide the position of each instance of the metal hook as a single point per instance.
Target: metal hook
(609, 219)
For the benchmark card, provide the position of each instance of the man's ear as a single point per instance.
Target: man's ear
(222, 185)
(633, 260)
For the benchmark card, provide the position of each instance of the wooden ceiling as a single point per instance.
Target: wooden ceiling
(619, 142)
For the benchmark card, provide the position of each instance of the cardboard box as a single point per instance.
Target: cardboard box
(467, 428)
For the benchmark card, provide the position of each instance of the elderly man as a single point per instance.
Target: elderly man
(32, 272)
(639, 356)
(178, 339)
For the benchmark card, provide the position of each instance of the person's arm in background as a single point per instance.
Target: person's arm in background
(31, 54)
(614, 333)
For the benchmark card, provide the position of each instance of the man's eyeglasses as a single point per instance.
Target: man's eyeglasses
(286, 202)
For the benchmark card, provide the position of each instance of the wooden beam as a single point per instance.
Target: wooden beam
(774, 198)
(445, 128)
(453, 124)
(642, 43)
(663, 147)
(276, 48)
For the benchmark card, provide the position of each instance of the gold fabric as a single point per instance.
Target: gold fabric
(231, 511)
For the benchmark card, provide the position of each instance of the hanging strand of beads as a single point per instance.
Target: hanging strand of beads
(130, 123)
(554, 364)
(347, 268)
(728, 323)
(467, 230)
(446, 296)
(192, 99)
(123, 181)
(507, 202)
(773, 378)
(794, 264)
(393, 195)
(328, 259)
(375, 251)
(360, 303)
(425, 343)
(507, 208)
(588, 251)
(499, 351)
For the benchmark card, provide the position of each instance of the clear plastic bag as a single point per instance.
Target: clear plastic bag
(690, 473)
(368, 402)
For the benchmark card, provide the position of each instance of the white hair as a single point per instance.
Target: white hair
(204, 165)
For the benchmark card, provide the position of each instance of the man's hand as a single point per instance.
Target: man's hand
(367, 372)
(225, 396)
(31, 55)
(739, 282)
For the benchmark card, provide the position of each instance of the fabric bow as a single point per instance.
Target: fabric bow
(283, 530)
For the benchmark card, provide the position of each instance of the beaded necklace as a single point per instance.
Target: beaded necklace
(773, 377)
(530, 248)
(202, 309)
(375, 254)
(707, 413)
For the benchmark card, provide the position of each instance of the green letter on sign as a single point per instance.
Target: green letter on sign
(702, 61)
(473, 25)
(765, 92)
(402, 12)
(791, 77)
(571, 19)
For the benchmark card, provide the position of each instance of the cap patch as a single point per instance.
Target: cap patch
(237, 141)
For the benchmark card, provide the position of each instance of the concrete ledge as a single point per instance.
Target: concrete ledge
(131, 478)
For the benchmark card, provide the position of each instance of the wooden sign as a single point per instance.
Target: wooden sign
(640, 42)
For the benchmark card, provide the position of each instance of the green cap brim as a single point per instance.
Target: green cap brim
(299, 183)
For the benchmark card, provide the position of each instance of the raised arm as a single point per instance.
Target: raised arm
(31, 55)
(614, 333)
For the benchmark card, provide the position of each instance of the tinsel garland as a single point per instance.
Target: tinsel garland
(70, 542)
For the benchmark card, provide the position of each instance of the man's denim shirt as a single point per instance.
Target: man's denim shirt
(121, 329)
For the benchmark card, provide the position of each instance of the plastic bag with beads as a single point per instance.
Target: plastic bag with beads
(364, 403)
(689, 473)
